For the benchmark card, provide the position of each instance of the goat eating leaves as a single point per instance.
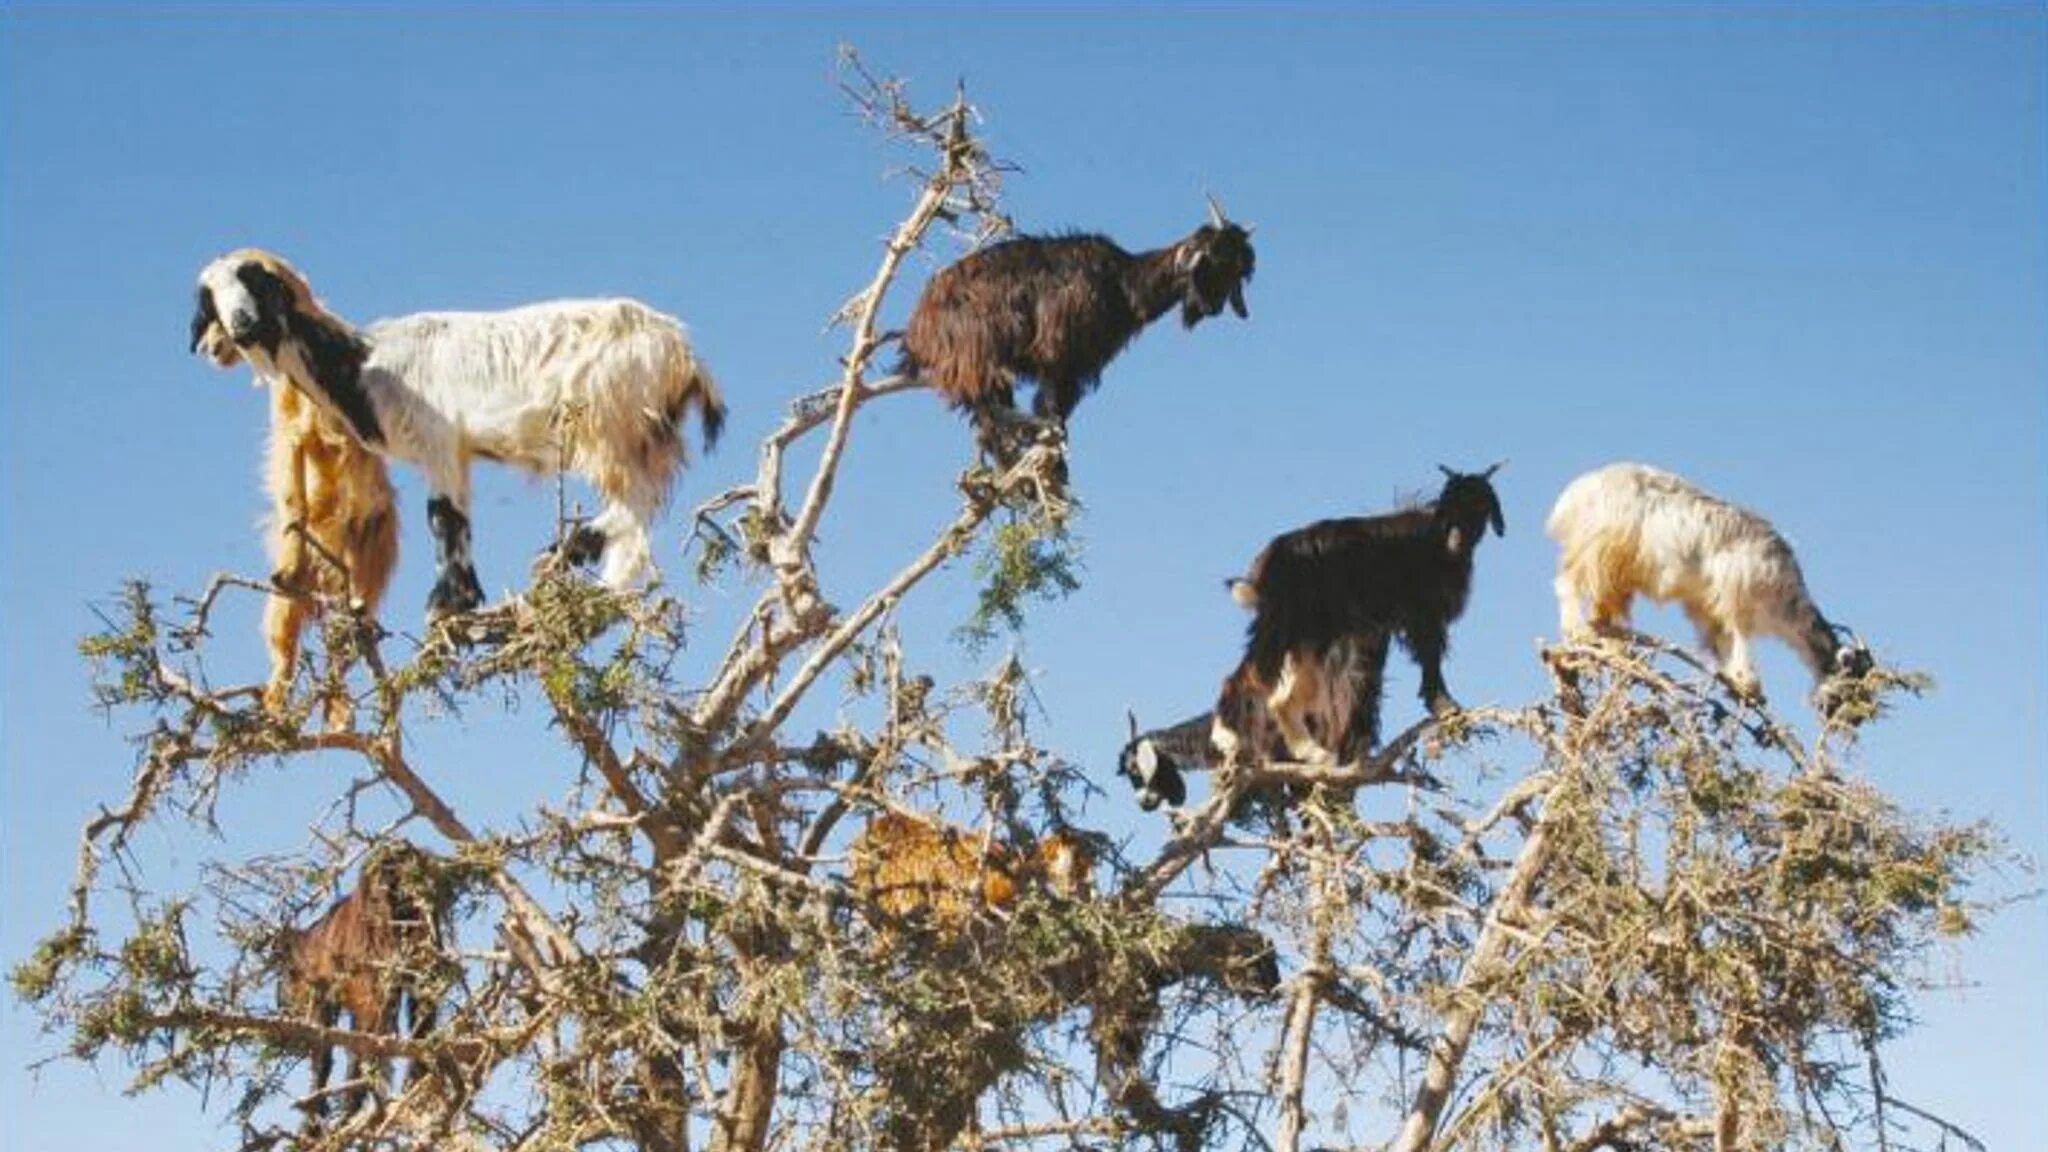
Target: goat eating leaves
(1056, 310)
(1629, 529)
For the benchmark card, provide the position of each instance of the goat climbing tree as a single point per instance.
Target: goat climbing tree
(1641, 914)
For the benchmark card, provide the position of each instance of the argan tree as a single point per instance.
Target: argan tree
(1641, 914)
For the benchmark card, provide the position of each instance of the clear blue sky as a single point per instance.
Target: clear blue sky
(1800, 256)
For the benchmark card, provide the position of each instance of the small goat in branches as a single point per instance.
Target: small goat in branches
(1326, 586)
(369, 956)
(915, 869)
(1056, 310)
(1629, 529)
(598, 387)
(333, 527)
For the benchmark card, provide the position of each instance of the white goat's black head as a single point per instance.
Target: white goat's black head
(1151, 771)
(244, 302)
(1852, 657)
(1215, 264)
(1467, 505)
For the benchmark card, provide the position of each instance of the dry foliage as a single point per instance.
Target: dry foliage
(1641, 915)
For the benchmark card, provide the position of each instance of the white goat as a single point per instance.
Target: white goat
(1629, 529)
(595, 387)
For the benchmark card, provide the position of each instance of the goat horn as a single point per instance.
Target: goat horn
(1216, 216)
(1132, 716)
(1446, 470)
(1497, 466)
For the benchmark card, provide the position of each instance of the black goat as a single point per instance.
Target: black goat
(1321, 589)
(1056, 310)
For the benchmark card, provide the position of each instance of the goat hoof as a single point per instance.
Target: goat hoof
(583, 546)
(1442, 704)
(454, 594)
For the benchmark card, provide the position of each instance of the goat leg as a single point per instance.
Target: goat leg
(1427, 642)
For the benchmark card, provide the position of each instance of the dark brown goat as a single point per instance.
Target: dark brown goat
(369, 956)
(1320, 589)
(1056, 310)
(1343, 714)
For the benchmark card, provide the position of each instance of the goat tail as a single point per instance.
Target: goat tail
(710, 408)
(694, 386)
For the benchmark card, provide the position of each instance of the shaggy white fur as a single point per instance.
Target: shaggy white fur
(1629, 529)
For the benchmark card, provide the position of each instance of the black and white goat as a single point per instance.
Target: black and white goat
(1323, 591)
(1056, 310)
(595, 387)
(1629, 529)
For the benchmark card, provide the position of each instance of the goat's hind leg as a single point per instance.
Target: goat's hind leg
(996, 419)
(582, 547)
(626, 526)
(1286, 705)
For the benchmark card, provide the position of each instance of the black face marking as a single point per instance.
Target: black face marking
(273, 307)
(1153, 774)
(203, 315)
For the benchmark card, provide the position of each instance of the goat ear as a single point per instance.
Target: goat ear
(202, 316)
(1147, 758)
(1500, 524)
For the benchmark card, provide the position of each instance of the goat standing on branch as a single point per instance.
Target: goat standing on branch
(333, 528)
(1629, 529)
(1056, 310)
(597, 387)
(1344, 716)
(1323, 591)
(915, 869)
(369, 956)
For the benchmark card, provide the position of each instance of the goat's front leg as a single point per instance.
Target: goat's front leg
(1738, 670)
(322, 1061)
(456, 588)
(422, 1013)
(1427, 641)
(284, 618)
